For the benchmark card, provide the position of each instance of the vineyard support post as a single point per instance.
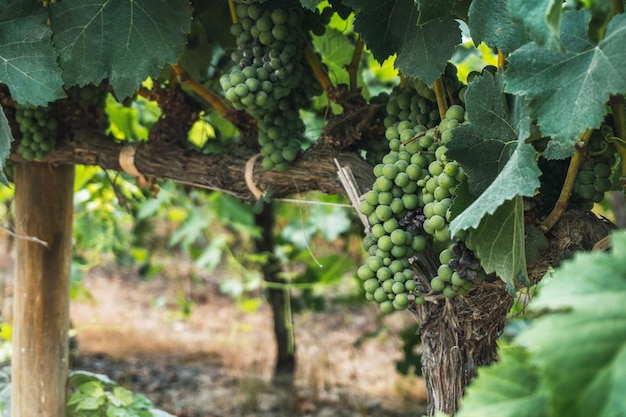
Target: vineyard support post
(43, 215)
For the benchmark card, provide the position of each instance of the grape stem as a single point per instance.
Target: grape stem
(440, 93)
(618, 105)
(617, 7)
(501, 60)
(318, 70)
(233, 11)
(568, 185)
(353, 66)
(209, 96)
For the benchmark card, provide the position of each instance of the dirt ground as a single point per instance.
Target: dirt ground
(217, 361)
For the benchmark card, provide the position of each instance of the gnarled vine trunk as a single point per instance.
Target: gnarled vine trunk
(460, 334)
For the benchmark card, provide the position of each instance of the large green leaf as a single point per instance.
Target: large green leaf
(491, 150)
(124, 40)
(28, 61)
(508, 388)
(489, 21)
(391, 26)
(435, 10)
(580, 349)
(499, 242)
(567, 91)
(542, 18)
(5, 144)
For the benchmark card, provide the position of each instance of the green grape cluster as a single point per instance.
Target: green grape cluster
(414, 102)
(270, 80)
(89, 96)
(443, 177)
(408, 208)
(39, 132)
(593, 178)
(394, 204)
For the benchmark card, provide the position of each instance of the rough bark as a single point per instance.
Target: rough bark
(460, 334)
(314, 170)
(43, 210)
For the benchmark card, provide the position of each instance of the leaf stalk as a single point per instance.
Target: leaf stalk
(209, 96)
(442, 103)
(353, 66)
(318, 70)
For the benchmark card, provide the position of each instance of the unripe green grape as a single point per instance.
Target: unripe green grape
(365, 273)
(387, 307)
(371, 285)
(437, 284)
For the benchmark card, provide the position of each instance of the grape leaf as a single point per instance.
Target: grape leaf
(28, 61)
(489, 21)
(391, 26)
(491, 150)
(126, 41)
(500, 168)
(586, 334)
(542, 18)
(5, 145)
(310, 4)
(567, 92)
(435, 10)
(508, 388)
(499, 242)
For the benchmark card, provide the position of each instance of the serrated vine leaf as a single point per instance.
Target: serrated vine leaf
(542, 18)
(5, 144)
(391, 26)
(126, 41)
(586, 334)
(508, 388)
(491, 150)
(489, 21)
(567, 92)
(435, 10)
(499, 242)
(28, 61)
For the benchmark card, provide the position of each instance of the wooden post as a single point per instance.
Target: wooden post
(43, 210)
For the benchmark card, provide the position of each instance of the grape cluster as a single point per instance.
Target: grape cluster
(408, 206)
(593, 178)
(443, 177)
(39, 132)
(270, 80)
(415, 103)
(89, 96)
(459, 271)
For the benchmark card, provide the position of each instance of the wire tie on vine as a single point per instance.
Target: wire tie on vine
(249, 177)
(127, 163)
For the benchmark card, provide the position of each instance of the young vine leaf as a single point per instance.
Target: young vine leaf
(124, 41)
(584, 76)
(508, 388)
(542, 18)
(489, 21)
(28, 61)
(585, 334)
(391, 26)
